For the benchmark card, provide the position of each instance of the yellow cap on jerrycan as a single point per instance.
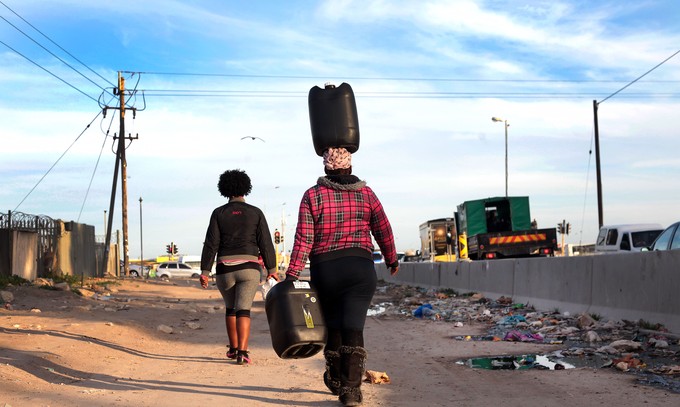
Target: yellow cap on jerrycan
(295, 320)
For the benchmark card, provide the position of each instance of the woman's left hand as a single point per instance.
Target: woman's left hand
(275, 276)
(204, 280)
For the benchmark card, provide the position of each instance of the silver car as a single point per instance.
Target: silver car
(175, 269)
(669, 239)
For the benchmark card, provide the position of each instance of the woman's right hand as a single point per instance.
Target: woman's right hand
(275, 276)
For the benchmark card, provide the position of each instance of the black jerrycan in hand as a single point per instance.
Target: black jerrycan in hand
(295, 321)
(333, 118)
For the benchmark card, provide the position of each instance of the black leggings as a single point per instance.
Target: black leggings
(345, 287)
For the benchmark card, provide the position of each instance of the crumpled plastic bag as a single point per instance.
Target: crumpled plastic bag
(518, 336)
(376, 377)
(511, 320)
(424, 310)
(266, 286)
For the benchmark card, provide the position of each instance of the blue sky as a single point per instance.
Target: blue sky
(428, 76)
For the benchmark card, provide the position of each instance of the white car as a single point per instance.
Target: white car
(175, 269)
(626, 238)
(135, 270)
(138, 271)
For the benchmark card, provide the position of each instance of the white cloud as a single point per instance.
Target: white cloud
(423, 156)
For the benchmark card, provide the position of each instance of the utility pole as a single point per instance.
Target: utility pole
(122, 164)
(123, 174)
(141, 239)
(598, 171)
(283, 233)
(563, 229)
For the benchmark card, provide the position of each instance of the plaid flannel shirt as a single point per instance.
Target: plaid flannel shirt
(332, 219)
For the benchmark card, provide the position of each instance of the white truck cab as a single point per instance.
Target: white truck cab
(626, 238)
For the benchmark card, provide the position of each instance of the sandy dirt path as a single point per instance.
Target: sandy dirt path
(84, 351)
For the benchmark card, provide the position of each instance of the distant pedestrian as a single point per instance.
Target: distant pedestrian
(336, 219)
(238, 234)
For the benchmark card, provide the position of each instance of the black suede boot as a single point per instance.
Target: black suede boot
(331, 377)
(353, 361)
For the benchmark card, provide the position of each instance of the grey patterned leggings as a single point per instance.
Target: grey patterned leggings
(238, 288)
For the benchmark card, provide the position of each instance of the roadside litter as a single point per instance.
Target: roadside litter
(584, 340)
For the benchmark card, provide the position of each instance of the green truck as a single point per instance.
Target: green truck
(501, 227)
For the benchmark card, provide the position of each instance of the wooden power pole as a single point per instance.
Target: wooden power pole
(123, 174)
(122, 164)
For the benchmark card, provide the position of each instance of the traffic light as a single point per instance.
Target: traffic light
(168, 249)
(568, 228)
(560, 228)
(277, 237)
(174, 249)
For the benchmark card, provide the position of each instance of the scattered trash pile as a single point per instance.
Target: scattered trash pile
(587, 340)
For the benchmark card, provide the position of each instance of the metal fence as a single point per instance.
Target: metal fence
(45, 227)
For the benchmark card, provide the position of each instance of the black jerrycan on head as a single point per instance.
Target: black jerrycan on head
(333, 118)
(295, 321)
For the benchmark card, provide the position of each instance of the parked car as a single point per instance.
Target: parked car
(175, 269)
(378, 257)
(135, 270)
(138, 271)
(669, 239)
(626, 238)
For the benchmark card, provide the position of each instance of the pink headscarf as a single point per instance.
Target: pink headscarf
(337, 158)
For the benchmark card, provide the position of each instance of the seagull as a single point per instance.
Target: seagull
(252, 138)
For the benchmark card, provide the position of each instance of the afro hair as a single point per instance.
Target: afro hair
(234, 183)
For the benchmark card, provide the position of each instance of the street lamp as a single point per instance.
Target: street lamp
(506, 125)
(283, 226)
(141, 240)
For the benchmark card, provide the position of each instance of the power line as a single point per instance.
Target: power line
(378, 78)
(94, 171)
(51, 53)
(58, 159)
(46, 70)
(641, 76)
(49, 39)
(395, 95)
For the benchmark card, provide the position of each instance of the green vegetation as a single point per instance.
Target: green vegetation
(105, 283)
(596, 317)
(12, 280)
(59, 278)
(648, 325)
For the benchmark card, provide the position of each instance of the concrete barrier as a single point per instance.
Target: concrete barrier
(630, 286)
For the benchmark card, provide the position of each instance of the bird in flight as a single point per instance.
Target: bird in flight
(252, 138)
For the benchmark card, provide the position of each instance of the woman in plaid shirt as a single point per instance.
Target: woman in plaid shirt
(337, 217)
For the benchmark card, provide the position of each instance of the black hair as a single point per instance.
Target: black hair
(234, 183)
